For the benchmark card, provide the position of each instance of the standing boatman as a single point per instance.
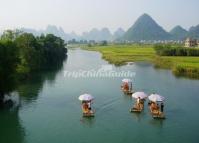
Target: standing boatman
(162, 107)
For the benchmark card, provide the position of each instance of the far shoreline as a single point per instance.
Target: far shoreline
(119, 55)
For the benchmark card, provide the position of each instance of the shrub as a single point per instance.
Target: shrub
(168, 50)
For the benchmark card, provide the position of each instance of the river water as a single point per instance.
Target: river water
(50, 111)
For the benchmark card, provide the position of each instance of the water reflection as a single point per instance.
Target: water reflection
(11, 130)
(157, 122)
(29, 89)
(87, 121)
(138, 116)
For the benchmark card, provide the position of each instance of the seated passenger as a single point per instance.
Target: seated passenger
(139, 103)
(126, 87)
(152, 106)
(85, 107)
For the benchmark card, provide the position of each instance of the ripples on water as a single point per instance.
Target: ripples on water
(50, 111)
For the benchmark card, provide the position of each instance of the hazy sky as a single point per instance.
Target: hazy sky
(83, 15)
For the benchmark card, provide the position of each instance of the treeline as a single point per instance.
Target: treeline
(23, 53)
(168, 50)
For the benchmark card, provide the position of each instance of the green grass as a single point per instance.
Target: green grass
(181, 66)
(121, 54)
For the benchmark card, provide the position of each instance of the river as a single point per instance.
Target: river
(49, 110)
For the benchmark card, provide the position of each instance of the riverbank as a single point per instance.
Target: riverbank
(22, 55)
(121, 54)
(51, 97)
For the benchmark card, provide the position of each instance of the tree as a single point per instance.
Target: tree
(8, 61)
(28, 53)
(10, 35)
(53, 48)
(23, 53)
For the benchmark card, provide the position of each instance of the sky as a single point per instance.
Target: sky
(83, 15)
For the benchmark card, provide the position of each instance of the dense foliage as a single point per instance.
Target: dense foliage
(8, 64)
(23, 53)
(168, 50)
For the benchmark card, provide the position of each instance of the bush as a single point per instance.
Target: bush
(185, 70)
(168, 50)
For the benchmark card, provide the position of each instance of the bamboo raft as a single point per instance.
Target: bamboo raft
(88, 115)
(160, 115)
(156, 114)
(127, 92)
(137, 109)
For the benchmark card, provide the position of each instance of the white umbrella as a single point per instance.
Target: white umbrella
(156, 98)
(86, 97)
(126, 80)
(142, 95)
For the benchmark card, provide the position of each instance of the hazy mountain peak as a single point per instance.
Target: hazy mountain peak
(178, 33)
(61, 29)
(105, 29)
(118, 33)
(94, 30)
(177, 28)
(73, 32)
(192, 28)
(145, 28)
(194, 31)
(51, 27)
(145, 16)
(98, 35)
(119, 30)
(146, 20)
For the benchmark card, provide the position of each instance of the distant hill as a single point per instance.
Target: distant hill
(52, 29)
(178, 33)
(118, 33)
(145, 28)
(194, 32)
(106, 34)
(97, 35)
(33, 31)
(94, 34)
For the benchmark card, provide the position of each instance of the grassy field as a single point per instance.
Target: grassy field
(121, 54)
(181, 66)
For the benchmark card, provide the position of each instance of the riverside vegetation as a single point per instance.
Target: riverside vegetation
(22, 54)
(182, 61)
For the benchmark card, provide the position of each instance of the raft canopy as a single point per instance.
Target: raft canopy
(86, 97)
(156, 98)
(126, 80)
(140, 95)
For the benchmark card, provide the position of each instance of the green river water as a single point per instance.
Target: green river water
(49, 110)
